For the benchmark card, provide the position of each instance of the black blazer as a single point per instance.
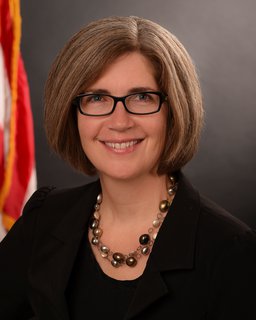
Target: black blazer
(202, 266)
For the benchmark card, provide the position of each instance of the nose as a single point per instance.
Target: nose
(120, 119)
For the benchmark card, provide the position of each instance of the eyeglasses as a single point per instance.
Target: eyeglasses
(139, 103)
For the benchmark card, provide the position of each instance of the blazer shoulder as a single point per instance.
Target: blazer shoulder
(217, 217)
(37, 198)
(212, 218)
(50, 197)
(219, 229)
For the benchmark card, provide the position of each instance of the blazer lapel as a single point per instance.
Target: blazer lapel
(52, 264)
(174, 248)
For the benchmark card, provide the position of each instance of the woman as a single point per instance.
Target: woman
(123, 101)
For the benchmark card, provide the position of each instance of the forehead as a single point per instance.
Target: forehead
(127, 71)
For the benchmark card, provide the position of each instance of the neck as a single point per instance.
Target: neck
(130, 200)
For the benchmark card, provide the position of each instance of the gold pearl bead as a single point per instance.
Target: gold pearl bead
(97, 232)
(95, 241)
(164, 205)
(104, 249)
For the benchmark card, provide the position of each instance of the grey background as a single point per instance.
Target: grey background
(220, 37)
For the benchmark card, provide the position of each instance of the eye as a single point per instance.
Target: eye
(143, 96)
(95, 98)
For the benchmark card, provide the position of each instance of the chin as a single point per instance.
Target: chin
(122, 174)
(117, 175)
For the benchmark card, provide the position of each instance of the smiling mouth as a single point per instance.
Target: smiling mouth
(122, 145)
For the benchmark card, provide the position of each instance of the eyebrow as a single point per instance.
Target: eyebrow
(131, 90)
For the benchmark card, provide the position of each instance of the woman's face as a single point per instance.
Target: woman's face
(123, 145)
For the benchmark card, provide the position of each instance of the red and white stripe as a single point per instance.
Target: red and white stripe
(17, 165)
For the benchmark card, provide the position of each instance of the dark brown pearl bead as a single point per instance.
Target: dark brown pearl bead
(119, 257)
(164, 205)
(131, 262)
(115, 263)
(145, 251)
(144, 239)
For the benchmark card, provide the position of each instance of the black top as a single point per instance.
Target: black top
(202, 265)
(90, 286)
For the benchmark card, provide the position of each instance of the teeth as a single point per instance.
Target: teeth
(122, 145)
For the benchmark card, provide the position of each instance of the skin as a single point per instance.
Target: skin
(125, 149)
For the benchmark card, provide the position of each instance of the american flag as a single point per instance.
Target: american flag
(17, 161)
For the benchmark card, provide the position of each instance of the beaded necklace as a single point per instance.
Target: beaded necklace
(146, 240)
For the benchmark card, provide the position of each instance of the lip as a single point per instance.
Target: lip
(122, 146)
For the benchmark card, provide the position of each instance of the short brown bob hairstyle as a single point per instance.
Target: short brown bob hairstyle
(84, 58)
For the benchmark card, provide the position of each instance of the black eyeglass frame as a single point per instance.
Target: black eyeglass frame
(162, 96)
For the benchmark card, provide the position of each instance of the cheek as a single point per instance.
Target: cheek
(161, 138)
(161, 129)
(162, 135)
(79, 123)
(84, 129)
(80, 129)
